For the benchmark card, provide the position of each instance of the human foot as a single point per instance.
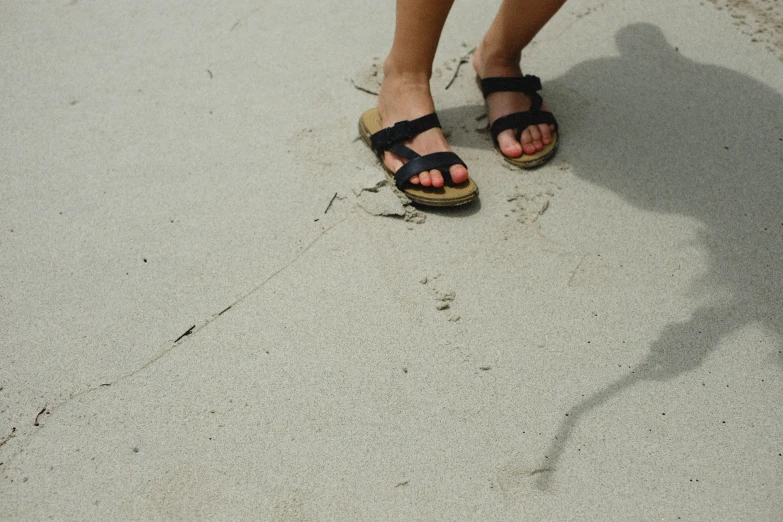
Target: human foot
(407, 97)
(534, 138)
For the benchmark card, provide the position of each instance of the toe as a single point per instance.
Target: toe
(458, 173)
(535, 135)
(527, 142)
(415, 180)
(437, 178)
(508, 144)
(546, 136)
(425, 179)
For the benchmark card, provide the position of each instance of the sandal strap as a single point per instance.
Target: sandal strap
(520, 121)
(404, 130)
(528, 84)
(441, 161)
(401, 150)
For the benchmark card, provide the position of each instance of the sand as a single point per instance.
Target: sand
(214, 306)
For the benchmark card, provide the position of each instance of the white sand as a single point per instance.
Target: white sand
(612, 346)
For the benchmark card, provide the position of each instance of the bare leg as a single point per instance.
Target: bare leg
(405, 93)
(499, 54)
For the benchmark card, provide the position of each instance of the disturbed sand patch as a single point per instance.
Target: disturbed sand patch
(761, 20)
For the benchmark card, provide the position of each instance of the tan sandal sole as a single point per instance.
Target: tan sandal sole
(446, 196)
(531, 161)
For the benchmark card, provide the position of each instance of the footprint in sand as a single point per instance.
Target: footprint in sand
(531, 198)
(443, 298)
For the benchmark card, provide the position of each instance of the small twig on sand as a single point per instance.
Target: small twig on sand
(368, 91)
(330, 203)
(465, 59)
(36, 423)
(190, 331)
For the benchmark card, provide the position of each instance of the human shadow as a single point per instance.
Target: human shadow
(674, 136)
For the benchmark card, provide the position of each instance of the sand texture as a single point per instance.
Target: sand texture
(214, 306)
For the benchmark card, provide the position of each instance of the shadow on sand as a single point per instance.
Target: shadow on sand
(675, 136)
(671, 135)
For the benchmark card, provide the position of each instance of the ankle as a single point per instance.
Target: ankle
(404, 97)
(398, 85)
(406, 73)
(491, 59)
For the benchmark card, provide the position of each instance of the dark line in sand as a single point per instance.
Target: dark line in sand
(188, 332)
(368, 91)
(330, 203)
(43, 410)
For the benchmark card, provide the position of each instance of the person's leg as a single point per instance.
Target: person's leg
(499, 54)
(405, 93)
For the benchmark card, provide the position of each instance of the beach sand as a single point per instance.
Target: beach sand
(214, 306)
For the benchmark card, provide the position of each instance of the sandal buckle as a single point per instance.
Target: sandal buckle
(400, 131)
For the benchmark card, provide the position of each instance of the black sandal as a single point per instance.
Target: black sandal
(391, 139)
(519, 121)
